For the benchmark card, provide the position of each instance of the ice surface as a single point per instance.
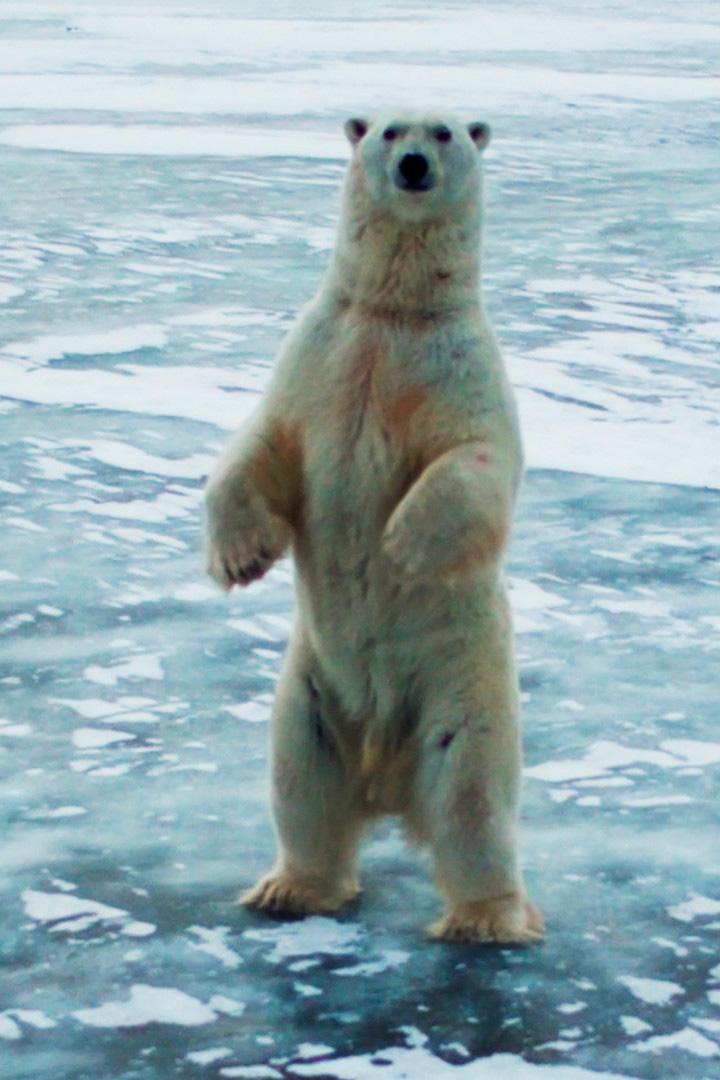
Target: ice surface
(170, 182)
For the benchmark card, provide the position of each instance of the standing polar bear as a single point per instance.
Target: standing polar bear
(386, 454)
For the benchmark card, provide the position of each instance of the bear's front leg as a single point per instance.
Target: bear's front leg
(454, 519)
(243, 537)
(250, 499)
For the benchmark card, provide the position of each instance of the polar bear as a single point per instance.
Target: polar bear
(386, 455)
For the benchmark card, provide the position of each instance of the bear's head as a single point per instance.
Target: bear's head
(416, 166)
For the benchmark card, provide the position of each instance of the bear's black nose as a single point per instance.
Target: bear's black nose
(413, 169)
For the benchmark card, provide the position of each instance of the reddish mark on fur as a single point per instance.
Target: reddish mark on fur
(277, 469)
(402, 411)
(486, 546)
(482, 458)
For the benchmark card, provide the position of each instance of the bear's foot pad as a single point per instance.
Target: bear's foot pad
(280, 894)
(507, 920)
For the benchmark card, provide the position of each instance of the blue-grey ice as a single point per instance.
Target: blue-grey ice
(169, 186)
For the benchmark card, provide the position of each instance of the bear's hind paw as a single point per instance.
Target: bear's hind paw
(508, 920)
(281, 894)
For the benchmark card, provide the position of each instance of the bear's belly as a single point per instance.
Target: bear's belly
(369, 632)
(353, 490)
(346, 584)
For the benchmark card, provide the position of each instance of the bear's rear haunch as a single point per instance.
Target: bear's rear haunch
(386, 455)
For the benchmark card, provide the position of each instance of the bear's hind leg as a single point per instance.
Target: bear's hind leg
(465, 809)
(318, 814)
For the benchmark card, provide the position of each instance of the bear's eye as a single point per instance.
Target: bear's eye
(389, 134)
(443, 134)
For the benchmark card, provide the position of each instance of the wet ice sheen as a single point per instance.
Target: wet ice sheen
(170, 195)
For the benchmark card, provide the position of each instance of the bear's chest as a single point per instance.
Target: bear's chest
(371, 424)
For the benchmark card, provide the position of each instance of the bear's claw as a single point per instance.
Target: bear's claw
(227, 572)
(240, 561)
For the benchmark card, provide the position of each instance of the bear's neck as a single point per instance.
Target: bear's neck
(421, 269)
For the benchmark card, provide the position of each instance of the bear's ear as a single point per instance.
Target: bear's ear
(479, 133)
(355, 129)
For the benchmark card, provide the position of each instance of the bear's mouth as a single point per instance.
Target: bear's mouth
(414, 188)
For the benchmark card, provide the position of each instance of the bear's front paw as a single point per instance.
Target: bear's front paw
(508, 920)
(243, 541)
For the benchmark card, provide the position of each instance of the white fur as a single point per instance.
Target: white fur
(386, 454)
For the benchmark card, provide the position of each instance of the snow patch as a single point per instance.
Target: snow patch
(686, 1039)
(158, 140)
(207, 1057)
(64, 911)
(91, 738)
(16, 731)
(212, 941)
(602, 757)
(113, 342)
(415, 1060)
(693, 908)
(314, 935)
(149, 1005)
(390, 958)
(651, 991)
(8, 1028)
(58, 812)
